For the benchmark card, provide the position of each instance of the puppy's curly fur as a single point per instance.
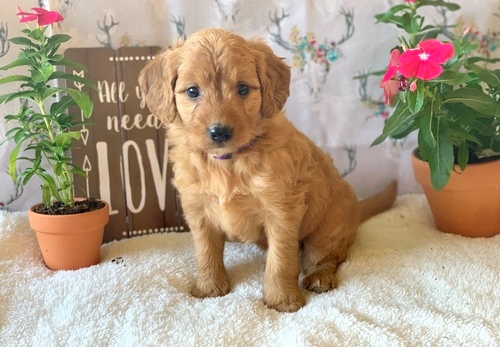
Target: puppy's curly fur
(262, 180)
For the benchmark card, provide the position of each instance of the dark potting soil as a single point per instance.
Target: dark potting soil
(59, 208)
(473, 159)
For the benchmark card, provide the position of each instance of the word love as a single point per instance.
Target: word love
(132, 153)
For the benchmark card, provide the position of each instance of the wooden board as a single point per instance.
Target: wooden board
(124, 152)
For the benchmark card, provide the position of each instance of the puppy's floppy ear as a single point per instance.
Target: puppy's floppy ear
(157, 82)
(274, 76)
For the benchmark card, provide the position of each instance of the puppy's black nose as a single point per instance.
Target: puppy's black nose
(220, 133)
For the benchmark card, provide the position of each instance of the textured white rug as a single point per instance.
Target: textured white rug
(404, 284)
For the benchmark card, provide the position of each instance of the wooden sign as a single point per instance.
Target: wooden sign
(124, 152)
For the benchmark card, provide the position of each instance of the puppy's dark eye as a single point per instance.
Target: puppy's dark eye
(243, 89)
(193, 92)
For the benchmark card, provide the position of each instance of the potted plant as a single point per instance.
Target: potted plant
(443, 93)
(43, 135)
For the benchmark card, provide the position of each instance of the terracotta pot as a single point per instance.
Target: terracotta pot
(70, 242)
(469, 204)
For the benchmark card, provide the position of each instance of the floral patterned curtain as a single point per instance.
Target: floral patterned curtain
(326, 42)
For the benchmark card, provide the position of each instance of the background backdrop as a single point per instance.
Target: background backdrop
(327, 43)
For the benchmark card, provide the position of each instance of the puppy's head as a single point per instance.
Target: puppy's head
(218, 86)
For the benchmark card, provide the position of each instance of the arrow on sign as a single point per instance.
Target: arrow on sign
(87, 167)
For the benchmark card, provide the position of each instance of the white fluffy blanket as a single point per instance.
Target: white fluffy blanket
(404, 284)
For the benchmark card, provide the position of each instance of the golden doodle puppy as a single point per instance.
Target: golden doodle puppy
(245, 173)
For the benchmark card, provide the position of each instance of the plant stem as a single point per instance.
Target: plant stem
(64, 192)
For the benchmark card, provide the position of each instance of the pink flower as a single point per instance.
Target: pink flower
(43, 16)
(391, 89)
(411, 1)
(390, 83)
(393, 66)
(424, 62)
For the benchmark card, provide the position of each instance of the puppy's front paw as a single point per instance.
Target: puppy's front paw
(320, 281)
(210, 289)
(291, 302)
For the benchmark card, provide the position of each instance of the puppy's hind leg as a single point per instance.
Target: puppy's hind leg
(323, 251)
(327, 246)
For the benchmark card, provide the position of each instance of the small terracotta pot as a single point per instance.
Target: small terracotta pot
(70, 242)
(469, 204)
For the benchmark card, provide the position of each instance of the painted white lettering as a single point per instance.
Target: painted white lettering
(159, 176)
(111, 92)
(129, 123)
(121, 92)
(104, 177)
(142, 180)
(106, 94)
(112, 123)
(140, 96)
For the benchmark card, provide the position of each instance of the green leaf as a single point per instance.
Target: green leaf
(412, 126)
(424, 149)
(37, 162)
(55, 58)
(21, 136)
(18, 62)
(46, 196)
(14, 78)
(462, 134)
(426, 129)
(49, 188)
(416, 98)
(71, 63)
(410, 23)
(29, 94)
(24, 41)
(463, 155)
(37, 34)
(78, 171)
(64, 139)
(41, 74)
(45, 145)
(389, 16)
(58, 168)
(441, 162)
(464, 115)
(83, 101)
(57, 39)
(449, 5)
(50, 92)
(452, 78)
(61, 105)
(73, 78)
(463, 47)
(9, 136)
(485, 75)
(429, 32)
(473, 98)
(400, 120)
(485, 60)
(12, 161)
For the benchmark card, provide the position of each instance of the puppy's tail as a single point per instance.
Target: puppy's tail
(379, 202)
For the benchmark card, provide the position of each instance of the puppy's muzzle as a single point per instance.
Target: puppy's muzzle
(220, 133)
